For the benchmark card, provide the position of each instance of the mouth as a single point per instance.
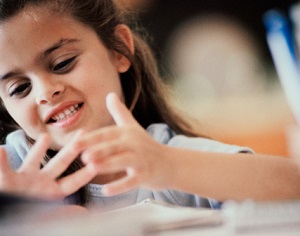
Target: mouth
(65, 114)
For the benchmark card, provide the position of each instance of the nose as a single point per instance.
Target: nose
(48, 90)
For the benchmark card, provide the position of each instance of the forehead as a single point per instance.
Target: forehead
(34, 20)
(32, 31)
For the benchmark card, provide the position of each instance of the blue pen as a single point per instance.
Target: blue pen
(284, 53)
(294, 14)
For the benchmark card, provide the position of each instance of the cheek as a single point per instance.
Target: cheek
(15, 111)
(25, 116)
(102, 78)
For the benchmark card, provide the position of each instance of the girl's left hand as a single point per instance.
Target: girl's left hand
(127, 148)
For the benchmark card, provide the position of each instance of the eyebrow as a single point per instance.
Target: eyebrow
(7, 75)
(46, 53)
(58, 45)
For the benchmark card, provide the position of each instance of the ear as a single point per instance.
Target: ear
(124, 33)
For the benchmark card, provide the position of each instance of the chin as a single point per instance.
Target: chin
(59, 144)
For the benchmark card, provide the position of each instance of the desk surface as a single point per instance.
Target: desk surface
(146, 218)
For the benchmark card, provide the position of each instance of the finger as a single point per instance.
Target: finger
(118, 163)
(121, 186)
(118, 110)
(62, 160)
(102, 151)
(33, 160)
(98, 136)
(75, 181)
(5, 167)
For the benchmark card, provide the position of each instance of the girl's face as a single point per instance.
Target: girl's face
(55, 74)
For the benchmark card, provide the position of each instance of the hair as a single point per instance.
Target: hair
(142, 87)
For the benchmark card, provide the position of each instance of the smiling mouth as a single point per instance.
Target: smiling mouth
(66, 113)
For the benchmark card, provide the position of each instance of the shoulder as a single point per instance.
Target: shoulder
(163, 134)
(160, 132)
(16, 147)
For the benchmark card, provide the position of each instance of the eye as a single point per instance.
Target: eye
(20, 90)
(64, 66)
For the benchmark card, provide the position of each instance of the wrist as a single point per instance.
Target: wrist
(171, 166)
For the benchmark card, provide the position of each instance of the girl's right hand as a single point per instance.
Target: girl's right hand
(30, 180)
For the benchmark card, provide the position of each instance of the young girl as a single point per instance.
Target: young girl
(82, 89)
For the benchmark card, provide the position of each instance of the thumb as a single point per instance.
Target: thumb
(118, 110)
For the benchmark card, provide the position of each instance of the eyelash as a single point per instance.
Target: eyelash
(64, 66)
(21, 90)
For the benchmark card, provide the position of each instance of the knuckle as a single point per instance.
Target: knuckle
(76, 146)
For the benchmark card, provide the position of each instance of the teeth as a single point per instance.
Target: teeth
(66, 113)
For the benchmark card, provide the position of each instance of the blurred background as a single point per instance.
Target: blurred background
(214, 55)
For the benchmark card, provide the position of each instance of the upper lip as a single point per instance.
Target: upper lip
(59, 108)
